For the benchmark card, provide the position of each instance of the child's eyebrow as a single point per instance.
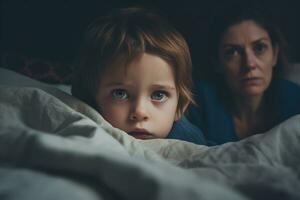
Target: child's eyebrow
(154, 86)
(165, 87)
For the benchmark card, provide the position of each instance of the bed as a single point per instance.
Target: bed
(53, 146)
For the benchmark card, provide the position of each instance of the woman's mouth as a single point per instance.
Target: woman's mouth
(251, 81)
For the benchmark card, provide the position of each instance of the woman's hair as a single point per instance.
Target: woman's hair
(237, 12)
(121, 37)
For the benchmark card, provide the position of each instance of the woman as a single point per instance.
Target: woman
(247, 95)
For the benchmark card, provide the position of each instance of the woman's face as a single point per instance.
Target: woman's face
(247, 58)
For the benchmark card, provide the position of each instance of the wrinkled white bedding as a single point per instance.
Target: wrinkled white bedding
(53, 146)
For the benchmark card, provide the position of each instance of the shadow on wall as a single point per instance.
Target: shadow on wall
(47, 34)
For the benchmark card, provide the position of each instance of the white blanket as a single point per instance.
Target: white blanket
(52, 146)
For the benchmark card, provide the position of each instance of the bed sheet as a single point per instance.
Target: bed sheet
(53, 146)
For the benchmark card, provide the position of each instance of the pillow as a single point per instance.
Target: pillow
(9, 77)
(45, 70)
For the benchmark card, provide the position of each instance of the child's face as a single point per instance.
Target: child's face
(140, 99)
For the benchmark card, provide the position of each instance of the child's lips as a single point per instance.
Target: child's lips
(141, 134)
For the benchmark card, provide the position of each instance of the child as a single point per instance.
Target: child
(135, 69)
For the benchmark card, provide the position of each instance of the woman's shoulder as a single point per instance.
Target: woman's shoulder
(210, 93)
(289, 98)
(211, 113)
(291, 84)
(289, 88)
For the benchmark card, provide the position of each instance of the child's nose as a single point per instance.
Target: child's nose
(139, 111)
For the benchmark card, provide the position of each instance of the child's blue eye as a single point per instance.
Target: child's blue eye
(159, 96)
(119, 94)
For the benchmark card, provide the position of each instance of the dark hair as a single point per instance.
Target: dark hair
(121, 37)
(233, 13)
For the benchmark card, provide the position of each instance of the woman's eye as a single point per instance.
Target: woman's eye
(259, 48)
(230, 52)
(159, 96)
(119, 94)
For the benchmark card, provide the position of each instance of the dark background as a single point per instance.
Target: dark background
(53, 29)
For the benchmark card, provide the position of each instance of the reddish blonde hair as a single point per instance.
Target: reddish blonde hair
(124, 35)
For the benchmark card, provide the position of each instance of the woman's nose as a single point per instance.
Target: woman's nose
(139, 111)
(250, 62)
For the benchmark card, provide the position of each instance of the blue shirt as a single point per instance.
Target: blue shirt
(184, 130)
(212, 116)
